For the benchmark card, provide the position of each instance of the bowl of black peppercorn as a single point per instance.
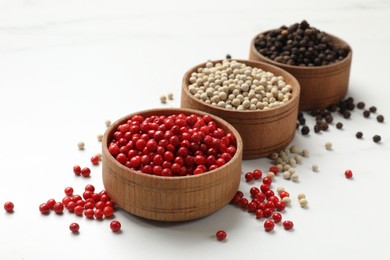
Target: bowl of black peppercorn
(320, 61)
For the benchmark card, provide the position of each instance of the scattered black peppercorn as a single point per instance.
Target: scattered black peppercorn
(305, 130)
(317, 129)
(301, 120)
(372, 109)
(339, 125)
(361, 105)
(359, 135)
(228, 56)
(380, 118)
(376, 138)
(346, 114)
(366, 113)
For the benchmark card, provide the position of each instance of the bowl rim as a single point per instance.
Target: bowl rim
(111, 129)
(258, 64)
(334, 38)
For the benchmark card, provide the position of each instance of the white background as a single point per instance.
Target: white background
(67, 66)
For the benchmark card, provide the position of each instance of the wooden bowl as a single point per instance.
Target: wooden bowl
(170, 198)
(262, 131)
(321, 86)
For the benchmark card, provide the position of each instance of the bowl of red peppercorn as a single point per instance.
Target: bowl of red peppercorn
(320, 61)
(259, 99)
(171, 164)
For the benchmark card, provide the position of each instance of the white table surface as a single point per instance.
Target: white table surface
(67, 66)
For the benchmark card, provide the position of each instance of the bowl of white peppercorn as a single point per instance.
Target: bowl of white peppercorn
(320, 61)
(260, 100)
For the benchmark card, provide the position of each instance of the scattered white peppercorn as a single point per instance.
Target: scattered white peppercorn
(107, 123)
(287, 175)
(163, 99)
(294, 149)
(287, 201)
(301, 196)
(81, 145)
(291, 170)
(328, 146)
(295, 177)
(170, 96)
(280, 189)
(271, 175)
(298, 159)
(303, 203)
(314, 167)
(100, 137)
(305, 153)
(234, 85)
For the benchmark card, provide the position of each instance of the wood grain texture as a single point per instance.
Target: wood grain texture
(320, 86)
(262, 131)
(170, 198)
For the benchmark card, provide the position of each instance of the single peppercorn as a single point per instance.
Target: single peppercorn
(9, 207)
(348, 174)
(380, 118)
(359, 135)
(361, 105)
(269, 225)
(372, 109)
(221, 235)
(305, 130)
(74, 227)
(339, 125)
(288, 224)
(115, 226)
(366, 113)
(376, 138)
(346, 114)
(228, 56)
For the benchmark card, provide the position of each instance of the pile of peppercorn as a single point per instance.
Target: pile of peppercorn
(300, 45)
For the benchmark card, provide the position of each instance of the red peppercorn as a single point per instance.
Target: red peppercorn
(267, 181)
(253, 191)
(252, 206)
(249, 176)
(260, 196)
(9, 207)
(274, 169)
(89, 213)
(268, 212)
(71, 205)
(44, 208)
(243, 202)
(98, 214)
(74, 227)
(95, 160)
(277, 217)
(85, 172)
(77, 170)
(221, 235)
(78, 210)
(283, 194)
(50, 203)
(348, 174)
(257, 174)
(108, 211)
(269, 225)
(58, 207)
(259, 213)
(115, 226)
(287, 224)
(68, 191)
(280, 205)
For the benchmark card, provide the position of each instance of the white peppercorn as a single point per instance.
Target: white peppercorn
(280, 189)
(170, 96)
(294, 177)
(305, 153)
(81, 145)
(286, 175)
(163, 99)
(303, 203)
(100, 137)
(301, 196)
(271, 175)
(314, 167)
(328, 146)
(107, 123)
(287, 201)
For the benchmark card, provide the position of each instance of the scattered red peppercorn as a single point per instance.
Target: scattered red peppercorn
(74, 227)
(269, 225)
(257, 174)
(288, 224)
(9, 207)
(249, 176)
(221, 235)
(68, 191)
(95, 160)
(44, 208)
(115, 226)
(277, 217)
(348, 174)
(58, 207)
(77, 170)
(85, 172)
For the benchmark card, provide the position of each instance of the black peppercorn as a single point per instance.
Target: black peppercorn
(376, 138)
(359, 135)
(380, 118)
(372, 109)
(305, 130)
(361, 105)
(302, 120)
(317, 129)
(228, 56)
(346, 114)
(339, 125)
(366, 113)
